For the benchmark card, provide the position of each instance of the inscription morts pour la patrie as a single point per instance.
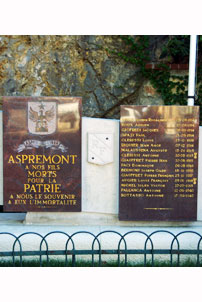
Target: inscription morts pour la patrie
(42, 153)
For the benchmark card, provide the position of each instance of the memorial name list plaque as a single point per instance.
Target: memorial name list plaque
(158, 162)
(42, 154)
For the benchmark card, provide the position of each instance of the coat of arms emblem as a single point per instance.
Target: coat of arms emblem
(42, 117)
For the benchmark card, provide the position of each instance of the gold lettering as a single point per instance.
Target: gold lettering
(11, 159)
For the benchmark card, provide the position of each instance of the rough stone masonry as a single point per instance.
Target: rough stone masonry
(73, 66)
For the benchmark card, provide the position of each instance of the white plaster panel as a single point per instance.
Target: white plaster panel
(100, 181)
(100, 148)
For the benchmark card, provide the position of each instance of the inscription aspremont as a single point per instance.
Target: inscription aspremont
(42, 154)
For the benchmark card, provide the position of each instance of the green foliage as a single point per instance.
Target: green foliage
(172, 88)
(177, 48)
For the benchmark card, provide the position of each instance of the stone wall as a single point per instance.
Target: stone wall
(78, 66)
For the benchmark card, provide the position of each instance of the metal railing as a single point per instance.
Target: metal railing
(70, 253)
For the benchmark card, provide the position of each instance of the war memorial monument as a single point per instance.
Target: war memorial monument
(158, 159)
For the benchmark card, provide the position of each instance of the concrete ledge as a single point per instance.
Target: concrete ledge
(71, 219)
(9, 218)
(98, 219)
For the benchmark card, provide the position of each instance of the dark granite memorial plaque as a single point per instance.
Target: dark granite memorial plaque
(158, 162)
(42, 154)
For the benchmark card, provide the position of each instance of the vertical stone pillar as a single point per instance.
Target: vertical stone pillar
(100, 165)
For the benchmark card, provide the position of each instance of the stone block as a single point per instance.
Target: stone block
(100, 180)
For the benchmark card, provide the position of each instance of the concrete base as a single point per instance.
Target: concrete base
(12, 218)
(98, 219)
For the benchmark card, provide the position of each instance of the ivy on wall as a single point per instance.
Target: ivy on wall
(172, 88)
